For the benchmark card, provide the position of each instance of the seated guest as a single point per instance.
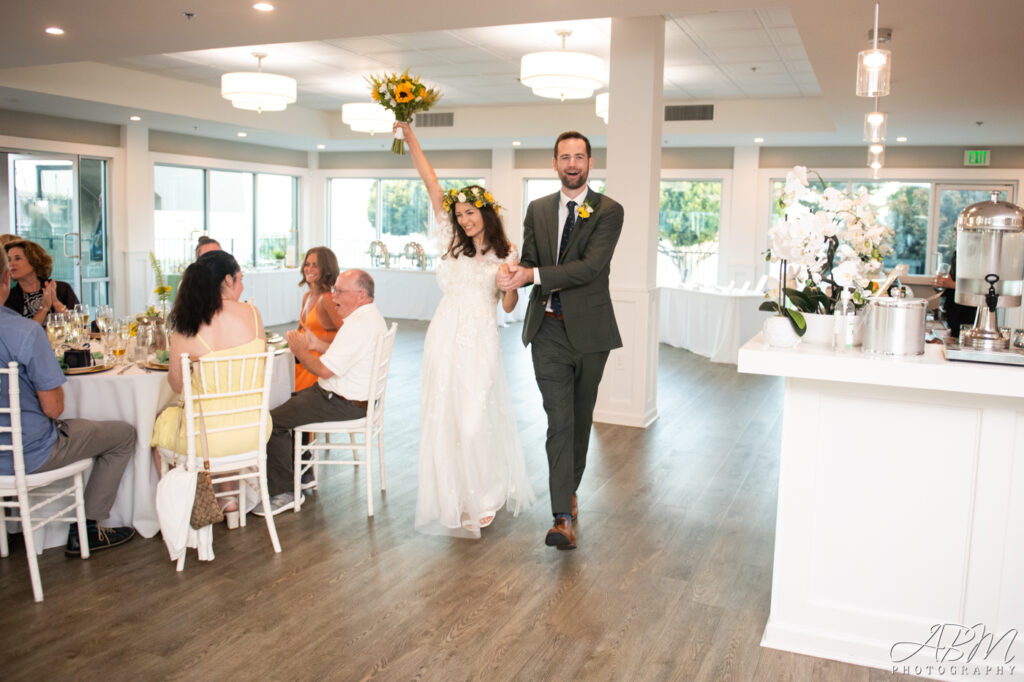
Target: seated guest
(318, 316)
(955, 314)
(208, 320)
(34, 294)
(50, 442)
(343, 383)
(206, 245)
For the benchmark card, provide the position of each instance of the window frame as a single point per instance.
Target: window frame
(947, 178)
(205, 166)
(380, 175)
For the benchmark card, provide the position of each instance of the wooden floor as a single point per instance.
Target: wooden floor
(671, 580)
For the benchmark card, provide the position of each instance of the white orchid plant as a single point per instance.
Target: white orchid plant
(829, 241)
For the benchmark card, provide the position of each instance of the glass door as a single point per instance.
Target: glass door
(56, 197)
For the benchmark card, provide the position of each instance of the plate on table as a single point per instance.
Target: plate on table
(151, 363)
(87, 370)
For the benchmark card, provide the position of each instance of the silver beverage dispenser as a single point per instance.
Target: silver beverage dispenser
(989, 267)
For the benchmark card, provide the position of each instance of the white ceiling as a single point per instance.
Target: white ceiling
(722, 55)
(783, 71)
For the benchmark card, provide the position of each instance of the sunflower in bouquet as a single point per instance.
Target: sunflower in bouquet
(404, 95)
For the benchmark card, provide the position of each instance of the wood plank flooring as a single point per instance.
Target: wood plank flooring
(671, 580)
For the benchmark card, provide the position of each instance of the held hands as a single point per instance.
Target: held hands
(511, 277)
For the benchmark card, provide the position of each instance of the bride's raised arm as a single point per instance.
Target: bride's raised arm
(423, 167)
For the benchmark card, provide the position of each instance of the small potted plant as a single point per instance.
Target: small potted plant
(278, 254)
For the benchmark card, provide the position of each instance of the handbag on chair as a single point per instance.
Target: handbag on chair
(205, 508)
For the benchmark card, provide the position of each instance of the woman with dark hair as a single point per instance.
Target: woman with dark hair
(318, 317)
(470, 460)
(33, 293)
(208, 319)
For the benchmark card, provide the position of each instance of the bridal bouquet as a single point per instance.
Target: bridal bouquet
(404, 95)
(829, 241)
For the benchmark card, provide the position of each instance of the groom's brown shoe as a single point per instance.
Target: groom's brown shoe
(575, 508)
(561, 534)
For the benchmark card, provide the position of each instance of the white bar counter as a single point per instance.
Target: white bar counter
(900, 509)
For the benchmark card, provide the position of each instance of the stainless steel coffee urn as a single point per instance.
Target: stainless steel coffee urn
(989, 266)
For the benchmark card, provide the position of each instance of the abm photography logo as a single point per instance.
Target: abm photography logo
(957, 650)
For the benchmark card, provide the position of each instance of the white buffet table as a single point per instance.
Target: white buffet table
(414, 295)
(137, 397)
(709, 322)
(900, 508)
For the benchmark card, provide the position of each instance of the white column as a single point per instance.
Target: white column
(312, 208)
(133, 280)
(507, 191)
(628, 393)
(741, 252)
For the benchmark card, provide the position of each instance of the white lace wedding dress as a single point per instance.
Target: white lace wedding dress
(470, 460)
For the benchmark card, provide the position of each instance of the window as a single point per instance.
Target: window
(253, 215)
(905, 210)
(919, 241)
(392, 211)
(689, 213)
(179, 215)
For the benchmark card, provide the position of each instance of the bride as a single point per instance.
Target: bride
(470, 460)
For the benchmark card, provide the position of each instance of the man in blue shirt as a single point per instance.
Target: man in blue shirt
(50, 442)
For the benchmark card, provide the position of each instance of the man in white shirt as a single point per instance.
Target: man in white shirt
(343, 386)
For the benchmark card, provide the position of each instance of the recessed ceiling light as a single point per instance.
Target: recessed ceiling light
(263, 7)
(758, 140)
(321, 146)
(134, 118)
(901, 139)
(55, 30)
(243, 134)
(516, 143)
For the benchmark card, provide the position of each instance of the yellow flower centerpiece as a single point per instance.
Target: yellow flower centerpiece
(404, 95)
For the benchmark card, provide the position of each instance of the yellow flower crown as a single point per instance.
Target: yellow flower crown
(469, 195)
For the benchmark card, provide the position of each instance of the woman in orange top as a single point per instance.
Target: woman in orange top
(318, 316)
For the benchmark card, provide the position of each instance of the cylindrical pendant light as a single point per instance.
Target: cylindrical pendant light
(874, 126)
(874, 68)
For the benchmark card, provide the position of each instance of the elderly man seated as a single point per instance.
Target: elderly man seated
(342, 388)
(50, 442)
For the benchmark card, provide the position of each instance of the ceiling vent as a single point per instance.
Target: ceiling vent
(690, 112)
(442, 120)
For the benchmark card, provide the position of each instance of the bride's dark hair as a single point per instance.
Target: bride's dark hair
(494, 232)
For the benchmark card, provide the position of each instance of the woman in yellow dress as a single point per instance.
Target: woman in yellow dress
(319, 317)
(209, 320)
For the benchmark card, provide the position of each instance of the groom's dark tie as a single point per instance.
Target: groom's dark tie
(570, 221)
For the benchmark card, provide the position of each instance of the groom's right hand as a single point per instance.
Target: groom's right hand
(516, 277)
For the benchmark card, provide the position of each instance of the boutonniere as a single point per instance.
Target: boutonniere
(584, 210)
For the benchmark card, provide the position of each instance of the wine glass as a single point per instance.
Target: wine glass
(104, 317)
(82, 314)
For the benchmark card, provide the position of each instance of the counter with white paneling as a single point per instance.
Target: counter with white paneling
(900, 506)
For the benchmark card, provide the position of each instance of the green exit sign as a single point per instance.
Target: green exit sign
(976, 157)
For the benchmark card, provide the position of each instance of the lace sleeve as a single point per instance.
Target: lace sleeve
(441, 232)
(513, 255)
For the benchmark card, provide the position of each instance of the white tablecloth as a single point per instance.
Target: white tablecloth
(275, 293)
(710, 323)
(414, 295)
(137, 397)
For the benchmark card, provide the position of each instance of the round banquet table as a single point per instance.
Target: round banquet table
(136, 396)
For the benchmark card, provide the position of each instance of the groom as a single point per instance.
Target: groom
(568, 241)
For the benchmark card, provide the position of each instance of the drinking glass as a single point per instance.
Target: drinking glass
(104, 317)
(82, 313)
(119, 341)
(55, 331)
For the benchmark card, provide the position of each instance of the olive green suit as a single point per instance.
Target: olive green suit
(569, 354)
